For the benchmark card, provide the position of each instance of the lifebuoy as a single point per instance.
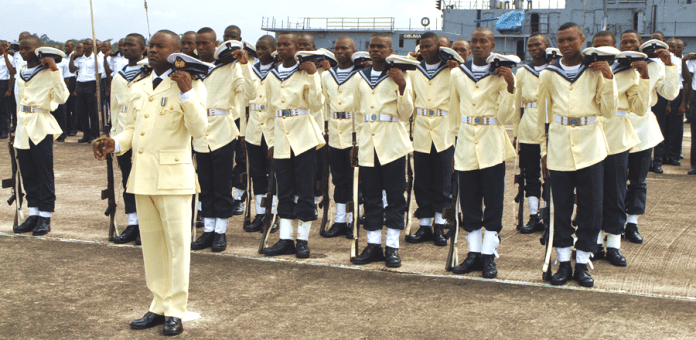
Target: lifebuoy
(425, 21)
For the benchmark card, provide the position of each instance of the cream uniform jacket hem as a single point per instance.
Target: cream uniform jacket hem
(480, 146)
(299, 90)
(341, 98)
(159, 130)
(45, 90)
(432, 94)
(664, 80)
(257, 126)
(633, 97)
(228, 87)
(388, 139)
(524, 126)
(572, 148)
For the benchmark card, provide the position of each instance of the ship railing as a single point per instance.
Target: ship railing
(373, 23)
(508, 4)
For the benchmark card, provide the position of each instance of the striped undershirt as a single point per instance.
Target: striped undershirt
(285, 73)
(130, 72)
(27, 73)
(571, 71)
(479, 71)
(431, 70)
(342, 74)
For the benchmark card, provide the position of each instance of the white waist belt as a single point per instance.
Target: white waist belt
(574, 121)
(31, 109)
(217, 112)
(257, 107)
(431, 112)
(291, 112)
(342, 115)
(479, 120)
(123, 109)
(621, 113)
(380, 117)
(532, 104)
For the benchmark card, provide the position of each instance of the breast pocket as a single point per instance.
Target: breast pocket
(175, 170)
(171, 117)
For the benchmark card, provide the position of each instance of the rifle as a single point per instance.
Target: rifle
(409, 184)
(15, 182)
(548, 215)
(452, 255)
(267, 202)
(247, 177)
(324, 184)
(108, 193)
(519, 180)
(355, 206)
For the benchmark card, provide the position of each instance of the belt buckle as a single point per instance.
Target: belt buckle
(574, 122)
(477, 120)
(431, 112)
(374, 117)
(262, 108)
(285, 113)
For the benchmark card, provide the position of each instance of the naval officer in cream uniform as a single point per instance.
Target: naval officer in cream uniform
(168, 110)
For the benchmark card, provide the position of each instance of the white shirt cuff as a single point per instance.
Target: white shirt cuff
(186, 96)
(117, 148)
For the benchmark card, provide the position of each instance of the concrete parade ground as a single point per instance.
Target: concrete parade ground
(73, 284)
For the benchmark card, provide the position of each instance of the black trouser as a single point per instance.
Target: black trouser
(87, 109)
(239, 164)
(432, 182)
(636, 195)
(5, 113)
(36, 166)
(215, 177)
(341, 174)
(321, 162)
(71, 112)
(259, 166)
(692, 114)
(295, 176)
(660, 149)
(391, 178)
(125, 164)
(59, 115)
(614, 207)
(12, 104)
(530, 161)
(587, 183)
(675, 131)
(479, 188)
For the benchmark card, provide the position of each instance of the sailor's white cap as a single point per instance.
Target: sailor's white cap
(631, 55)
(552, 50)
(601, 51)
(226, 48)
(652, 45)
(189, 64)
(451, 54)
(48, 52)
(505, 59)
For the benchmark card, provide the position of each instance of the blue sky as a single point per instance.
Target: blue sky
(66, 19)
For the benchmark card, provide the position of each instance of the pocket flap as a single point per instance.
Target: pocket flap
(174, 157)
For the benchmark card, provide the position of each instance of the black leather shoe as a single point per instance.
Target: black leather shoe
(129, 235)
(692, 171)
(615, 257)
(60, 139)
(424, 234)
(138, 242)
(83, 140)
(203, 241)
(349, 232)
(564, 273)
(392, 257)
(28, 225)
(600, 253)
(43, 226)
(172, 326)
(439, 237)
(337, 229)
(148, 321)
(674, 162)
(237, 207)
(490, 271)
(282, 247)
(632, 233)
(535, 224)
(371, 253)
(470, 264)
(658, 169)
(256, 225)
(302, 250)
(72, 133)
(582, 275)
(219, 243)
